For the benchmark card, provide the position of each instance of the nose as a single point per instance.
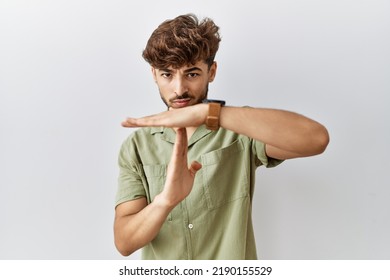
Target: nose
(179, 86)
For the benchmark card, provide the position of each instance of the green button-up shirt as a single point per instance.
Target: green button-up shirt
(214, 221)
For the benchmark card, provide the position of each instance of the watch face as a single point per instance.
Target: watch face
(222, 102)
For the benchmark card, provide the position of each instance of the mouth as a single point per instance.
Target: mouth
(182, 102)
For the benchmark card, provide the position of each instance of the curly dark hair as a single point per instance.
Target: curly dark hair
(182, 41)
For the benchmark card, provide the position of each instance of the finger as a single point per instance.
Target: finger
(180, 148)
(129, 122)
(194, 167)
(152, 120)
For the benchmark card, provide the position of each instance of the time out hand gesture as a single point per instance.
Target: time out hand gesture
(180, 175)
(190, 116)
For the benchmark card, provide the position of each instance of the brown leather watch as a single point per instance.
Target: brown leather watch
(212, 120)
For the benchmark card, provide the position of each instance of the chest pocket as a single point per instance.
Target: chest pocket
(225, 175)
(156, 176)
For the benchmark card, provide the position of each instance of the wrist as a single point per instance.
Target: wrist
(163, 202)
(212, 120)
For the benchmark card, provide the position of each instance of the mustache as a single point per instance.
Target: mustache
(183, 96)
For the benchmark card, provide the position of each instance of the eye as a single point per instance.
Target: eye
(166, 75)
(192, 75)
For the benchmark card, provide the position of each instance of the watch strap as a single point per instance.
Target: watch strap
(212, 120)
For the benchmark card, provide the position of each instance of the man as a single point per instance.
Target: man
(187, 177)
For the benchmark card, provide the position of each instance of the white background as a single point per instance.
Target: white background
(71, 71)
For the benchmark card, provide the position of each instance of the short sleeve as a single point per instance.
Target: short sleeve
(258, 148)
(130, 182)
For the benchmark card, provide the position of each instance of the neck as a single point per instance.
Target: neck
(190, 131)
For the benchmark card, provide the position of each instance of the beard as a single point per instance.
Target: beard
(185, 95)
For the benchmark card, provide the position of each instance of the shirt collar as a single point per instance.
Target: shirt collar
(168, 134)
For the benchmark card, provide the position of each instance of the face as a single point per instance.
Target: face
(185, 86)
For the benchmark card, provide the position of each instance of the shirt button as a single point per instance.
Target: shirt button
(190, 226)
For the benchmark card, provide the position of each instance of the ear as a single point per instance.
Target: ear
(154, 74)
(212, 71)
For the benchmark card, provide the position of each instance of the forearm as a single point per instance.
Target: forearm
(134, 231)
(285, 133)
(136, 222)
(281, 129)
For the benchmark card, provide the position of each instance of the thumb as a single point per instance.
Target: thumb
(194, 167)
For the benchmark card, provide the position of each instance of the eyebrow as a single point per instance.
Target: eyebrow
(192, 69)
(185, 71)
(165, 70)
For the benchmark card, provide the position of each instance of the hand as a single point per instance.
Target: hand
(180, 175)
(191, 116)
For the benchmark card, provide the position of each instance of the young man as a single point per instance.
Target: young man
(187, 177)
